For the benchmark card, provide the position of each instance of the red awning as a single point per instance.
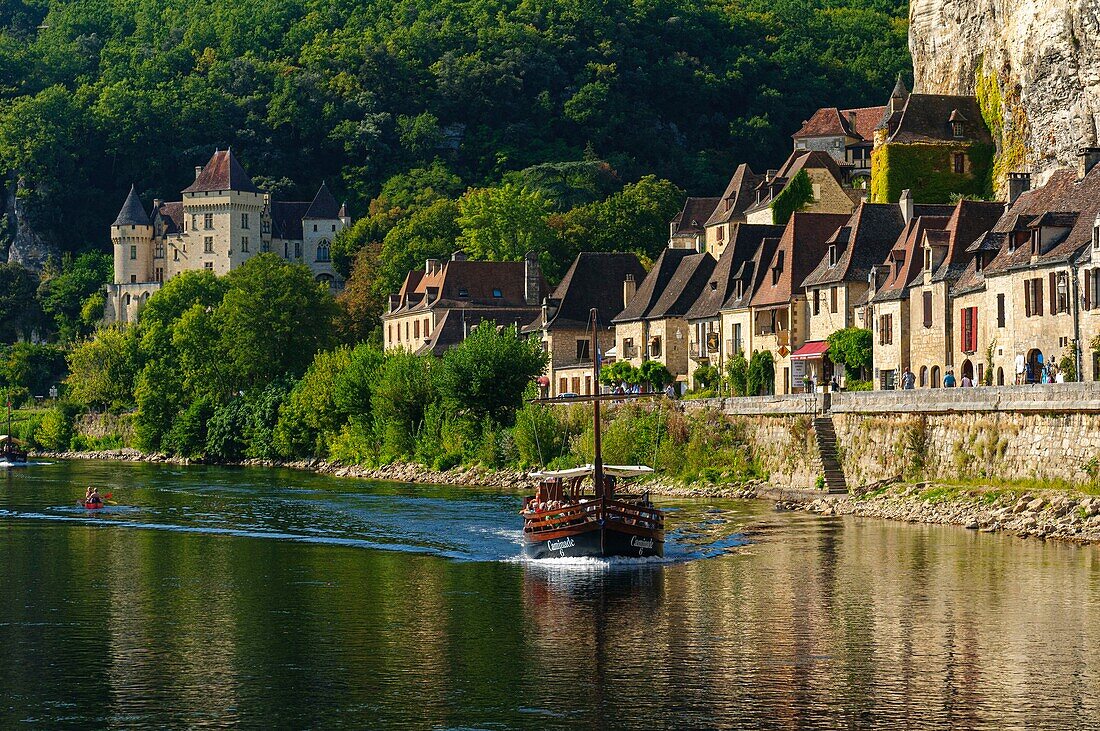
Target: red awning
(811, 350)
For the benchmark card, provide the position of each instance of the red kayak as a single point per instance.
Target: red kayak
(92, 504)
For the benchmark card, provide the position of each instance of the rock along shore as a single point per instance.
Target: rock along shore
(1047, 514)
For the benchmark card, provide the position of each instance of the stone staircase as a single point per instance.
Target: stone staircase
(826, 447)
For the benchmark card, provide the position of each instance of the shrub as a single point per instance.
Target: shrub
(761, 374)
(738, 373)
(706, 377)
(55, 431)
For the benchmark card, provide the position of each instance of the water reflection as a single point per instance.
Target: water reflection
(223, 615)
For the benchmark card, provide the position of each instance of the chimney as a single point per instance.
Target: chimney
(198, 171)
(431, 266)
(1018, 184)
(906, 205)
(156, 204)
(532, 279)
(1089, 156)
(629, 288)
(458, 256)
(852, 120)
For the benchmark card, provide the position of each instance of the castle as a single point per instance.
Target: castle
(222, 221)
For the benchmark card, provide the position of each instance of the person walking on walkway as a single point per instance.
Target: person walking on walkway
(949, 380)
(908, 380)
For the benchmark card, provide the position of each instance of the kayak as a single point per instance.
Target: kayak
(92, 505)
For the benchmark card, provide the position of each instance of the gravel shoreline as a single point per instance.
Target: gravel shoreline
(1043, 514)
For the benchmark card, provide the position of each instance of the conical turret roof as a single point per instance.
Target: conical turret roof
(900, 91)
(222, 172)
(133, 212)
(324, 205)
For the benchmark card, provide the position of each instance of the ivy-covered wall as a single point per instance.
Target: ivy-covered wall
(1010, 131)
(927, 171)
(798, 194)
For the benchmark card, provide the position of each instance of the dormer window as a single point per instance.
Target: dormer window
(1035, 242)
(1096, 233)
(832, 256)
(740, 289)
(979, 263)
(496, 293)
(927, 260)
(958, 130)
(463, 292)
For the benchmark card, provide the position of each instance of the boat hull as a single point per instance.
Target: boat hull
(595, 542)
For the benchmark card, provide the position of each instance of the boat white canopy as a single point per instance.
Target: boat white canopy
(608, 469)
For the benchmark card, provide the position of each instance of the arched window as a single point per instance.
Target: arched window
(323, 251)
(923, 376)
(935, 376)
(1000, 376)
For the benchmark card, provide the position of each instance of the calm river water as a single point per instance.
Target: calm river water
(277, 599)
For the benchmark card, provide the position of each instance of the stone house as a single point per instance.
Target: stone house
(936, 145)
(688, 229)
(779, 308)
(736, 311)
(887, 299)
(935, 319)
(221, 222)
(604, 281)
(839, 281)
(830, 195)
(1032, 281)
(652, 325)
(846, 134)
(704, 319)
(739, 195)
(436, 308)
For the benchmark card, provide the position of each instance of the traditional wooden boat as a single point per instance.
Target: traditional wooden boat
(563, 519)
(11, 451)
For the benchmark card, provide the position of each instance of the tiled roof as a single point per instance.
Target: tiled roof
(738, 196)
(1062, 193)
(905, 260)
(452, 328)
(862, 243)
(222, 172)
(834, 122)
(926, 119)
(324, 205)
(751, 274)
(654, 285)
(970, 221)
(800, 249)
(692, 218)
(689, 279)
(286, 219)
(744, 242)
(132, 212)
(595, 279)
(172, 215)
(467, 283)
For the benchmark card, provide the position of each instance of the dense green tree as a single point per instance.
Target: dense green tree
(761, 374)
(655, 374)
(852, 347)
(103, 369)
(737, 371)
(486, 375)
(65, 296)
(504, 223)
(32, 367)
(273, 319)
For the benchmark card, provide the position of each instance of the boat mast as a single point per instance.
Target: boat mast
(597, 462)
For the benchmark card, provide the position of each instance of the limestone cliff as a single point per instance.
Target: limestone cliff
(1034, 64)
(24, 245)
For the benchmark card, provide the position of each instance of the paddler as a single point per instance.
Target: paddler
(91, 497)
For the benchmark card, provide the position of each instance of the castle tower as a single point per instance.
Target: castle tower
(132, 237)
(322, 221)
(223, 212)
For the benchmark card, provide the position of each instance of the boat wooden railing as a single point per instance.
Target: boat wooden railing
(594, 510)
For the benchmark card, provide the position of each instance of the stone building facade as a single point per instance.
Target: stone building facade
(221, 222)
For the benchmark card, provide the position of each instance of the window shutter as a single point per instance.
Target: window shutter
(1088, 289)
(928, 309)
(1027, 297)
(1053, 293)
(1037, 284)
(964, 334)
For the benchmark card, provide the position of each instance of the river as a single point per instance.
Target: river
(213, 597)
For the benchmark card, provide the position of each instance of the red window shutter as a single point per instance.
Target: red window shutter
(1088, 289)
(964, 335)
(1038, 287)
(973, 329)
(1053, 293)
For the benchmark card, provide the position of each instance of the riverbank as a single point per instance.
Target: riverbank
(1044, 514)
